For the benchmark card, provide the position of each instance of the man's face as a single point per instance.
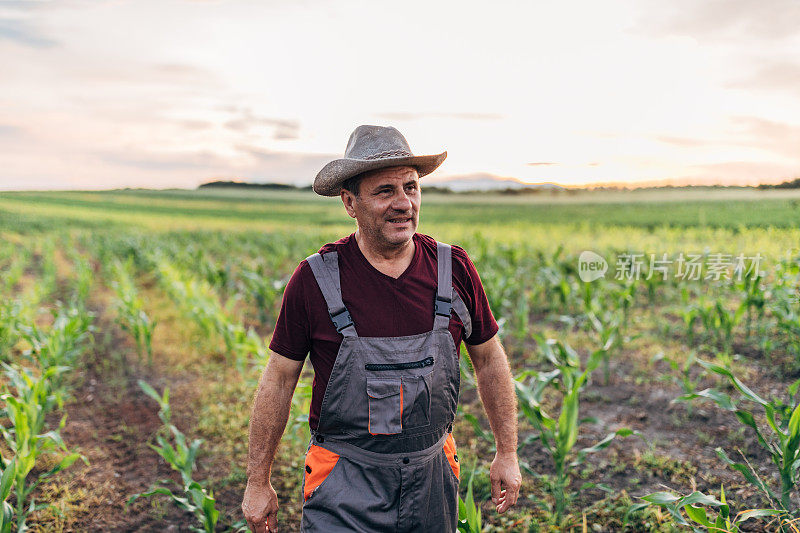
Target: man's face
(387, 206)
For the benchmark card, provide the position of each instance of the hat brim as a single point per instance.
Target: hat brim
(329, 180)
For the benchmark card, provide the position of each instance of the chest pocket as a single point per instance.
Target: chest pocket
(399, 395)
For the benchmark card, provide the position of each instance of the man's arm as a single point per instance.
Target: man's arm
(267, 422)
(496, 390)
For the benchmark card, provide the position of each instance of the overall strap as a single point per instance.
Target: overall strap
(326, 272)
(447, 298)
(444, 286)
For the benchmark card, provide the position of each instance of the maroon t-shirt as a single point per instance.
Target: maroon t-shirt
(380, 306)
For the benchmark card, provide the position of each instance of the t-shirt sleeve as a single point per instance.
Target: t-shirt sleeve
(292, 337)
(484, 326)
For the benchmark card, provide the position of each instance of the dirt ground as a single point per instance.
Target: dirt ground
(111, 422)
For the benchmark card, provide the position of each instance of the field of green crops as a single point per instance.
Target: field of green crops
(661, 396)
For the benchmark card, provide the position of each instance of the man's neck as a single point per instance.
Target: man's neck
(391, 261)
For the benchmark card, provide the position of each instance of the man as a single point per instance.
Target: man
(382, 312)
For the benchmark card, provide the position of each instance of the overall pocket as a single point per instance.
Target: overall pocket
(385, 405)
(452, 456)
(319, 465)
(417, 395)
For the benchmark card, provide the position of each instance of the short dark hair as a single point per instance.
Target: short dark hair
(353, 184)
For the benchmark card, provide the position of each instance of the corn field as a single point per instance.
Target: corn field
(134, 326)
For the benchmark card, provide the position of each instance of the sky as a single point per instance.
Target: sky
(174, 93)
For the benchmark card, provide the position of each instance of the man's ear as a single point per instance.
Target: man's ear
(349, 199)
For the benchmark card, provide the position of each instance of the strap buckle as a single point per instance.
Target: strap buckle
(341, 319)
(443, 306)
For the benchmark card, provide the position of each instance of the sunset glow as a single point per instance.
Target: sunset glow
(176, 93)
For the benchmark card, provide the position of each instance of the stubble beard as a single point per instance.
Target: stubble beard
(381, 234)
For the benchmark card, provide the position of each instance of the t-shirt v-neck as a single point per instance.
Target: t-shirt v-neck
(356, 250)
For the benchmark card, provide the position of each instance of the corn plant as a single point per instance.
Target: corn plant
(198, 301)
(25, 432)
(48, 279)
(606, 324)
(62, 344)
(782, 442)
(684, 380)
(6, 484)
(13, 268)
(689, 314)
(131, 315)
(10, 311)
(719, 323)
(469, 514)
(559, 434)
(695, 504)
(216, 276)
(298, 431)
(84, 277)
(684, 370)
(787, 314)
(755, 298)
(265, 291)
(556, 277)
(652, 283)
(181, 457)
(624, 296)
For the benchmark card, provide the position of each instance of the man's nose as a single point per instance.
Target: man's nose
(401, 202)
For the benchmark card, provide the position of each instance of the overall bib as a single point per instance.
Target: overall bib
(383, 457)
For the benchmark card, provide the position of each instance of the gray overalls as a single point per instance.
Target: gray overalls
(383, 457)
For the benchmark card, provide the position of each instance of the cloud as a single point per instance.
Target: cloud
(15, 24)
(9, 131)
(684, 142)
(297, 167)
(749, 132)
(246, 121)
(163, 161)
(773, 76)
(457, 116)
(254, 164)
(744, 172)
(23, 33)
(724, 19)
(777, 137)
(541, 164)
(139, 74)
(191, 124)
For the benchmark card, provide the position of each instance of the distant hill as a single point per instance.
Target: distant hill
(483, 181)
(246, 185)
(792, 184)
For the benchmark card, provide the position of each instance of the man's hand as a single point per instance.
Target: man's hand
(260, 507)
(267, 422)
(496, 390)
(506, 480)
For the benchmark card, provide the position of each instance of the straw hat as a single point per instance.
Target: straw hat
(371, 148)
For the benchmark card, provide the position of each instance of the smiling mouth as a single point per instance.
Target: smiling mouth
(400, 220)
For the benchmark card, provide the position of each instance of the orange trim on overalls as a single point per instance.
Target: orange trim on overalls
(401, 406)
(450, 452)
(319, 463)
